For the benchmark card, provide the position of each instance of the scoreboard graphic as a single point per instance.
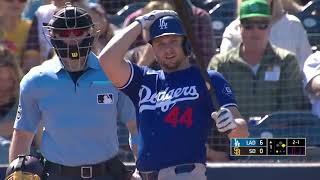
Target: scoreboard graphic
(268, 147)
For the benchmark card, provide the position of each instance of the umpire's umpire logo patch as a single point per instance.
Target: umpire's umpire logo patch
(105, 98)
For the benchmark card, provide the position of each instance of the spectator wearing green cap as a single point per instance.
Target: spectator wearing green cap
(264, 77)
(286, 32)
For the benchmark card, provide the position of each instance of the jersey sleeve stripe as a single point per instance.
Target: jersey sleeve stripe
(131, 76)
(229, 104)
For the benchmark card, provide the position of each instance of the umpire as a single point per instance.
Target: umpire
(77, 103)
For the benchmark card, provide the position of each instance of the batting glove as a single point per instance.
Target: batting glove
(135, 175)
(224, 120)
(147, 19)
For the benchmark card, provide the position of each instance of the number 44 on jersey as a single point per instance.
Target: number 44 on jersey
(184, 119)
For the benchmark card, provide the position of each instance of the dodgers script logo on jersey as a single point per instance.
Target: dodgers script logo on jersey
(165, 99)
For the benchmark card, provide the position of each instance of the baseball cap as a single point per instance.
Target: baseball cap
(166, 25)
(254, 8)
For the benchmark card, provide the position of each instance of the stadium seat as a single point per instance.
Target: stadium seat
(121, 15)
(222, 15)
(289, 124)
(310, 18)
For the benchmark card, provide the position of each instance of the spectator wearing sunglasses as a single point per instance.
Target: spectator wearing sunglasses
(264, 77)
(286, 32)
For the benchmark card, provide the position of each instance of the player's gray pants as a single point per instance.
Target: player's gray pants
(198, 173)
(171, 173)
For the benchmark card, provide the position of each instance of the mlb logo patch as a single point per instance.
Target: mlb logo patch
(105, 98)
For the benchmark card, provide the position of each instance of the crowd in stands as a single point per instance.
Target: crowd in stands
(269, 63)
(284, 27)
(10, 76)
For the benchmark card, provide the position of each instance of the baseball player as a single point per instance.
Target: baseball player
(77, 103)
(173, 105)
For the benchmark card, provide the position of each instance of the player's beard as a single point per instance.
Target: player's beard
(169, 65)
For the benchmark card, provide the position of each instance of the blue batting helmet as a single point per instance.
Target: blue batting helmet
(169, 25)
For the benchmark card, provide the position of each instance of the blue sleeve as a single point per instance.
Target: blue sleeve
(134, 84)
(126, 110)
(28, 114)
(223, 89)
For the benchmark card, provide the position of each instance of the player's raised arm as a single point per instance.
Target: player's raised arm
(112, 56)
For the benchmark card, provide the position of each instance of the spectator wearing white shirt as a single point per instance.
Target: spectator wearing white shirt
(311, 73)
